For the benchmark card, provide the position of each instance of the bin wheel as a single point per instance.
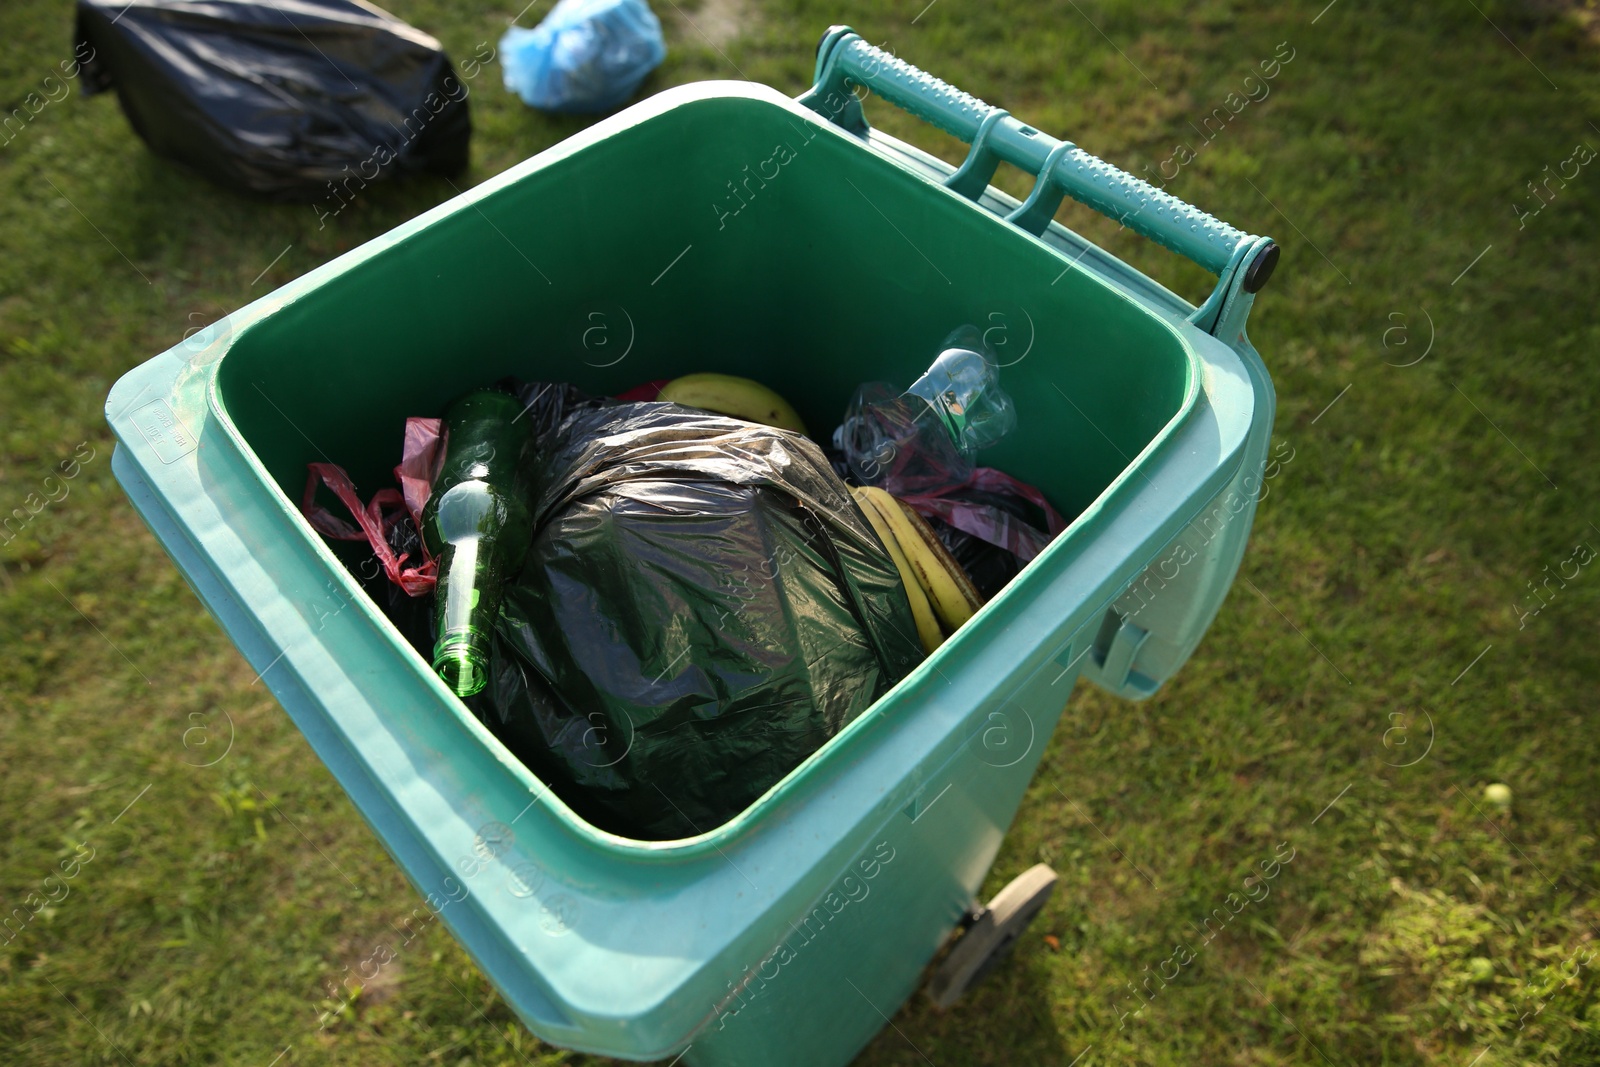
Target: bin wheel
(991, 934)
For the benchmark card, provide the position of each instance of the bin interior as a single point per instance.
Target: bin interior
(631, 259)
(840, 268)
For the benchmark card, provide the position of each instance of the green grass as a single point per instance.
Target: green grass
(216, 915)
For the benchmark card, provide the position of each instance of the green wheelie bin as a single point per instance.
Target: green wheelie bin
(723, 226)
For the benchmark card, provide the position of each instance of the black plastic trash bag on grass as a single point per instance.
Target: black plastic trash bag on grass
(702, 608)
(279, 98)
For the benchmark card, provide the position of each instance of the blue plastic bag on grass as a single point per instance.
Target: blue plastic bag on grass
(587, 55)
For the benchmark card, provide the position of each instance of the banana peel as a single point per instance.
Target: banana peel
(931, 575)
(922, 613)
(955, 599)
(741, 398)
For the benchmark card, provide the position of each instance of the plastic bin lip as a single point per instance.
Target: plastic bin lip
(710, 843)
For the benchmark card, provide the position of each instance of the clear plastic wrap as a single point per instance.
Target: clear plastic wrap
(927, 438)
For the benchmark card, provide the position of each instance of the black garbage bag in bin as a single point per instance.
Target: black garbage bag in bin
(279, 98)
(702, 607)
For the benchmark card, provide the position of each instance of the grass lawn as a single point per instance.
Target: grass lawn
(1432, 336)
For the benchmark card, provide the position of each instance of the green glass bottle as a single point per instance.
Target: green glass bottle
(477, 525)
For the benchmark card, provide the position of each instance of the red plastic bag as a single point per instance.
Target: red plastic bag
(419, 464)
(990, 523)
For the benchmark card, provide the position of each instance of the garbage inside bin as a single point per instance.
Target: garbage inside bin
(926, 438)
(279, 100)
(921, 446)
(476, 524)
(702, 607)
(993, 524)
(727, 394)
(585, 56)
(942, 597)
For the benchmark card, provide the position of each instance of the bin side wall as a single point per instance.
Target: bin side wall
(850, 962)
(724, 235)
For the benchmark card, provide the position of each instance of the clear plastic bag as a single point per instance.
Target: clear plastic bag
(585, 56)
(927, 439)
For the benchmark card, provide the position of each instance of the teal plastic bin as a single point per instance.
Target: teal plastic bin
(723, 226)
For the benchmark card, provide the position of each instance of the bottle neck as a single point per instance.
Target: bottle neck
(464, 666)
(939, 411)
(465, 592)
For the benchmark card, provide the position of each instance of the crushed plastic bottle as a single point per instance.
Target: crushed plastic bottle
(928, 437)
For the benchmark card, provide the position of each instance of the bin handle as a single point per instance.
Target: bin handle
(844, 60)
